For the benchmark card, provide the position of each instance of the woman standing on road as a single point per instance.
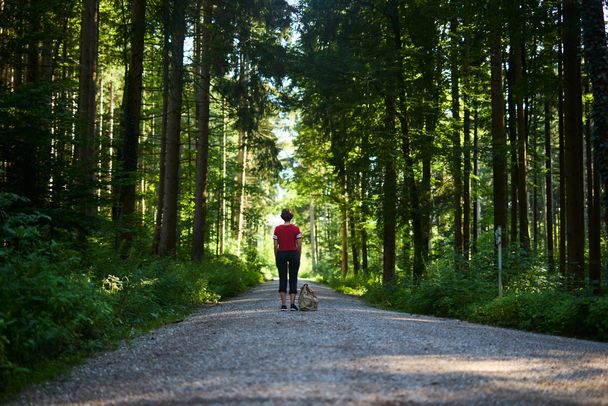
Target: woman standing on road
(287, 250)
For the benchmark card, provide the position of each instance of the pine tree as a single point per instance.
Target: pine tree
(131, 122)
(168, 232)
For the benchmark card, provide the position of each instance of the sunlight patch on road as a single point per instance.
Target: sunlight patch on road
(513, 373)
(413, 319)
(423, 364)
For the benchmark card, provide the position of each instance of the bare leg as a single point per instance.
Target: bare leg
(283, 297)
(292, 298)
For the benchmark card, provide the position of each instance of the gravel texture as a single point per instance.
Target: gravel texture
(246, 352)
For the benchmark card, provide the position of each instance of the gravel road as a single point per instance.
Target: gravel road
(246, 352)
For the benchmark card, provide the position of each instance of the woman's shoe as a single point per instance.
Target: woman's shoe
(293, 308)
(283, 308)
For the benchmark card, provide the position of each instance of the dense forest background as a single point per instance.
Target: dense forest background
(147, 144)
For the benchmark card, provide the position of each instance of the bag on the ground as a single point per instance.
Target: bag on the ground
(307, 300)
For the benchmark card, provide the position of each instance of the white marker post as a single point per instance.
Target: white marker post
(498, 235)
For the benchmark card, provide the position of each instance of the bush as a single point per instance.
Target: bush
(533, 299)
(229, 276)
(48, 309)
(60, 301)
(54, 308)
(552, 312)
(598, 318)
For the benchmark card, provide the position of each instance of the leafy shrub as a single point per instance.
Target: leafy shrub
(450, 296)
(327, 272)
(229, 276)
(49, 309)
(59, 301)
(381, 296)
(553, 312)
(597, 317)
(533, 299)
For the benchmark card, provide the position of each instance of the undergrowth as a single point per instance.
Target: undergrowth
(60, 301)
(533, 298)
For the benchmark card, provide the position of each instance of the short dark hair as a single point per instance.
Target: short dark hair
(286, 214)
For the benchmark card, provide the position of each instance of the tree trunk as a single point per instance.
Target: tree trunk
(430, 122)
(44, 147)
(573, 145)
(596, 60)
(163, 134)
(389, 198)
(353, 225)
(188, 153)
(593, 212)
(466, 184)
(535, 195)
(549, 188)
(499, 148)
(242, 182)
(562, 158)
(113, 187)
(595, 249)
(344, 238)
(101, 147)
(476, 194)
(313, 235)
(389, 212)
(328, 232)
(522, 141)
(241, 159)
(364, 209)
(26, 169)
(409, 179)
(62, 129)
(513, 147)
(222, 236)
(456, 147)
(432, 80)
(364, 253)
(132, 101)
(32, 72)
(354, 243)
(168, 232)
(426, 198)
(87, 79)
(202, 119)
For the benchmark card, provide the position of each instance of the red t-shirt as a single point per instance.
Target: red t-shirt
(287, 235)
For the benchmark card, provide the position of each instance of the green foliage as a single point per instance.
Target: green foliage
(533, 299)
(241, 275)
(19, 231)
(598, 309)
(356, 285)
(57, 303)
(552, 312)
(47, 308)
